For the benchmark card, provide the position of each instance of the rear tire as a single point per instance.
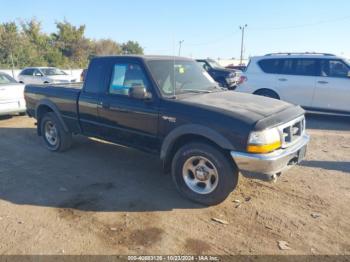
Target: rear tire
(203, 174)
(55, 137)
(267, 93)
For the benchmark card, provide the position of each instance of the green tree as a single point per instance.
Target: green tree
(107, 47)
(25, 44)
(37, 44)
(9, 39)
(132, 47)
(70, 40)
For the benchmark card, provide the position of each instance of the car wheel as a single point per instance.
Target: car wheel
(267, 93)
(55, 137)
(203, 174)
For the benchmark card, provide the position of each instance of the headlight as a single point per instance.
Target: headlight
(265, 141)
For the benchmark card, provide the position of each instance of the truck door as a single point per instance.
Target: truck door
(90, 98)
(125, 120)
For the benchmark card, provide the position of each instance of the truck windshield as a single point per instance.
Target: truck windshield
(52, 71)
(176, 77)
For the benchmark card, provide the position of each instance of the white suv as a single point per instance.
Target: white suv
(318, 82)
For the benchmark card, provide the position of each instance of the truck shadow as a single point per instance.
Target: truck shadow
(328, 165)
(336, 123)
(92, 176)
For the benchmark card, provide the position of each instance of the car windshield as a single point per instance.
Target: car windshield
(52, 71)
(214, 64)
(175, 77)
(6, 79)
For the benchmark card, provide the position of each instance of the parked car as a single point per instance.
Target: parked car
(11, 96)
(318, 82)
(44, 75)
(238, 67)
(228, 78)
(166, 105)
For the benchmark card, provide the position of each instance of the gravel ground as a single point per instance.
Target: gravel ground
(99, 198)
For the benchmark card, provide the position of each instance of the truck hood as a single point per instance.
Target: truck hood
(251, 108)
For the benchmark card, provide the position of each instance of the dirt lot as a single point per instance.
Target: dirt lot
(99, 198)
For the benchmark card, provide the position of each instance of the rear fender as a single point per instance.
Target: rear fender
(48, 105)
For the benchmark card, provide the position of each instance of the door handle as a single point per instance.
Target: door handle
(322, 82)
(101, 104)
(282, 79)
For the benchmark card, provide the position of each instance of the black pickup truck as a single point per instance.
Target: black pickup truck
(169, 106)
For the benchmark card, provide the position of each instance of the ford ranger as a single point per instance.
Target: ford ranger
(204, 135)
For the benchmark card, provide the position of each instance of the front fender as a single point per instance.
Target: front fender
(193, 129)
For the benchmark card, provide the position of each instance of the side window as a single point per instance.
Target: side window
(270, 66)
(28, 72)
(24, 72)
(306, 67)
(126, 75)
(287, 66)
(36, 72)
(336, 68)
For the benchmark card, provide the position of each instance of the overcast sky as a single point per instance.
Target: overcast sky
(208, 28)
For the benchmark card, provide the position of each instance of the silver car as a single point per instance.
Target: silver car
(44, 75)
(11, 96)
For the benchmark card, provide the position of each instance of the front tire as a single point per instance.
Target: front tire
(55, 137)
(267, 93)
(203, 174)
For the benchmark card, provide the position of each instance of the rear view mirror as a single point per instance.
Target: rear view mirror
(139, 92)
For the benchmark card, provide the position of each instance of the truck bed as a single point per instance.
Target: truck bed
(63, 96)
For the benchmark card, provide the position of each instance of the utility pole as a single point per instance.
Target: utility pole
(242, 28)
(180, 45)
(12, 65)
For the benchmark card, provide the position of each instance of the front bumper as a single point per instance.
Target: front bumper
(269, 166)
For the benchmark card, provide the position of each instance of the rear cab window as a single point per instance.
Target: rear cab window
(94, 83)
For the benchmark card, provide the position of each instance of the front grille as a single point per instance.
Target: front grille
(292, 131)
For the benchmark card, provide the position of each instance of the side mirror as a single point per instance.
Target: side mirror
(349, 74)
(139, 92)
(38, 74)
